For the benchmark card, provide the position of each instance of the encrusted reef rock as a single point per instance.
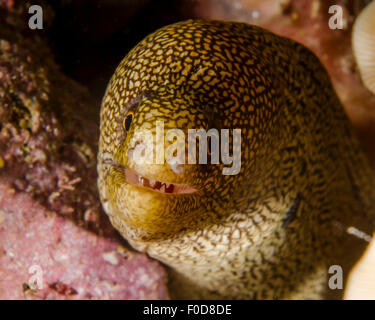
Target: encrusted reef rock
(55, 240)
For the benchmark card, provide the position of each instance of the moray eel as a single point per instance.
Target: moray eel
(273, 230)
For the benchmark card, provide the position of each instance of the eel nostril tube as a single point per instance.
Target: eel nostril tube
(363, 41)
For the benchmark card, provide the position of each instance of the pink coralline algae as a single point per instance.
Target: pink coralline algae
(55, 240)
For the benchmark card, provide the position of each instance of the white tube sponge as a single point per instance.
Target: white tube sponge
(363, 41)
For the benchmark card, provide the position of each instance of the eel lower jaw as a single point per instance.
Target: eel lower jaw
(159, 186)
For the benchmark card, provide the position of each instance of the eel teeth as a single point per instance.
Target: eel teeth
(163, 187)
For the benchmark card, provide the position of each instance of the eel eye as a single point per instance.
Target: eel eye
(128, 120)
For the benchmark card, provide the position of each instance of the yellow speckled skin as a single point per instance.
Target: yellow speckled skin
(273, 230)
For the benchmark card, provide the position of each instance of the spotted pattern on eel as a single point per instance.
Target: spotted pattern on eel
(269, 232)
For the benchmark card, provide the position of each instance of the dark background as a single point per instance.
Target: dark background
(90, 38)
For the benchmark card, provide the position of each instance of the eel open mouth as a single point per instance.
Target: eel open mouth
(159, 186)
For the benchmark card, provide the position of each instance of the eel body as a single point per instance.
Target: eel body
(274, 229)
